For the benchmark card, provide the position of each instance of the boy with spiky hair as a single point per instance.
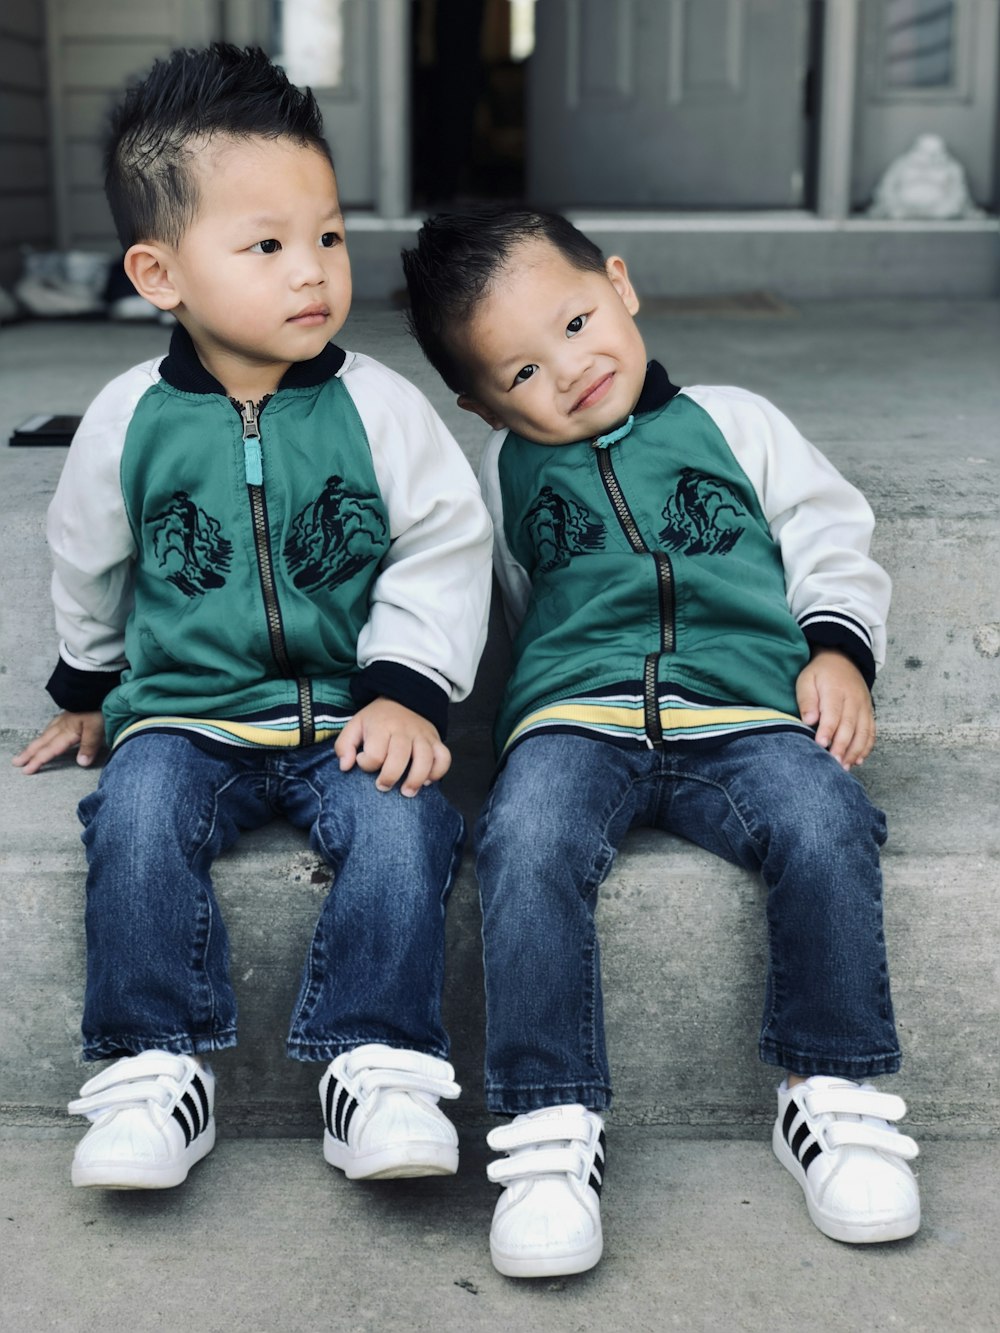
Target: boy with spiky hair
(698, 624)
(271, 576)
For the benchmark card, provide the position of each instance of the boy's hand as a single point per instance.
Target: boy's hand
(84, 731)
(388, 739)
(834, 698)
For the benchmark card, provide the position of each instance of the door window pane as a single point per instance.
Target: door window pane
(309, 41)
(919, 43)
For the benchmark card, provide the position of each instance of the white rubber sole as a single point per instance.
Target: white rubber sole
(117, 1175)
(548, 1265)
(853, 1232)
(397, 1161)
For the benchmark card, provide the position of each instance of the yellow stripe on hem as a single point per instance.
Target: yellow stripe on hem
(234, 733)
(629, 718)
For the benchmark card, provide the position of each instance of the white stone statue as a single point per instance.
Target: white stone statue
(924, 183)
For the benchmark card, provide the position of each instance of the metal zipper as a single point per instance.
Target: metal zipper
(253, 468)
(665, 593)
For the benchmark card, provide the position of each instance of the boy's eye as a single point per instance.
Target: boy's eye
(575, 325)
(270, 247)
(525, 373)
(329, 239)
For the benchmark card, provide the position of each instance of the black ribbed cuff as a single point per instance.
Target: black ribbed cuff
(392, 680)
(78, 691)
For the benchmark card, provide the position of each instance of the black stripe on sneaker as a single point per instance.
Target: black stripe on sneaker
(199, 1088)
(810, 1155)
(800, 1139)
(197, 1124)
(791, 1111)
(596, 1181)
(349, 1117)
(340, 1108)
(181, 1119)
(343, 1097)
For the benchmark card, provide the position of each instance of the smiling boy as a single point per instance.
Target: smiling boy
(271, 576)
(697, 625)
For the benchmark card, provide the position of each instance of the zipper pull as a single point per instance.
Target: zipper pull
(613, 436)
(253, 462)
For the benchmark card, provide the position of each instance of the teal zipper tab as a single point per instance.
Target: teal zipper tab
(253, 461)
(613, 436)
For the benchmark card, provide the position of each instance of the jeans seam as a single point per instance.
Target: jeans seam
(206, 894)
(311, 987)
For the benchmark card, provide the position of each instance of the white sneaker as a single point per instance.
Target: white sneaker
(547, 1221)
(152, 1120)
(381, 1114)
(835, 1138)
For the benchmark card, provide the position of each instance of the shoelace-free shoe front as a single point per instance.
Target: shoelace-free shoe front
(547, 1221)
(151, 1120)
(838, 1140)
(381, 1116)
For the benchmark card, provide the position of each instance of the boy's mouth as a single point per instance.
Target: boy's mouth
(313, 314)
(593, 395)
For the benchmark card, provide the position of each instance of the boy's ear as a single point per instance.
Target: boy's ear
(148, 268)
(472, 405)
(619, 279)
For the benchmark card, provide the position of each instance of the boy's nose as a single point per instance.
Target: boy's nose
(572, 368)
(308, 270)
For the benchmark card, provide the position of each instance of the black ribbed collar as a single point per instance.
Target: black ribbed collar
(182, 368)
(657, 390)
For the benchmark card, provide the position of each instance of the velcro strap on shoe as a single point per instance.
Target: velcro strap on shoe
(855, 1101)
(148, 1065)
(524, 1133)
(856, 1134)
(133, 1093)
(544, 1162)
(403, 1081)
(410, 1071)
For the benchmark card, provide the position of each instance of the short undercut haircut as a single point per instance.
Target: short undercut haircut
(183, 102)
(455, 262)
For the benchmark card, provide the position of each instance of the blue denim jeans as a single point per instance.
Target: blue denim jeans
(157, 950)
(776, 804)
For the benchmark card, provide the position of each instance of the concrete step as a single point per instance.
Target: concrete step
(683, 951)
(903, 397)
(795, 253)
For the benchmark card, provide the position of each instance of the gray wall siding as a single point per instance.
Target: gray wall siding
(96, 47)
(26, 214)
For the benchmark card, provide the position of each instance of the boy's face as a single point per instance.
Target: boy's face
(261, 277)
(554, 350)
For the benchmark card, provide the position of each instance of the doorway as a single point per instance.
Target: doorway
(613, 103)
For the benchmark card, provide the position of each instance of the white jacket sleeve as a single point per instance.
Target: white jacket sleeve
(836, 592)
(430, 602)
(89, 536)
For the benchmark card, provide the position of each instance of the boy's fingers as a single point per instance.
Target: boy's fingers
(421, 766)
(42, 750)
(442, 761)
(395, 763)
(844, 738)
(864, 742)
(807, 697)
(346, 745)
(91, 743)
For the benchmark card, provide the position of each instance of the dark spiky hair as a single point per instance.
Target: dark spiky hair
(455, 263)
(184, 101)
